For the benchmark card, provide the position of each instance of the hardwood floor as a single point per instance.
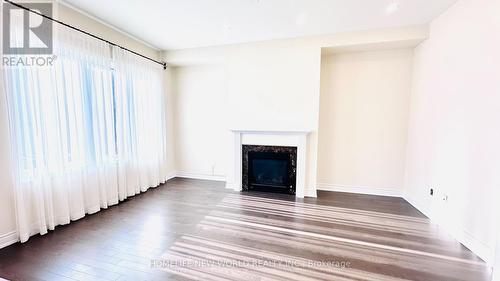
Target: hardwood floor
(197, 230)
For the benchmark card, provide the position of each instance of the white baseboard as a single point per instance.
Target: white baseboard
(310, 193)
(233, 186)
(171, 176)
(485, 252)
(307, 192)
(188, 175)
(392, 192)
(417, 206)
(8, 239)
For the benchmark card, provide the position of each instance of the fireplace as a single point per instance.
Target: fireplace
(269, 168)
(294, 142)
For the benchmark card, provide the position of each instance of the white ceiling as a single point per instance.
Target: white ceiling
(178, 24)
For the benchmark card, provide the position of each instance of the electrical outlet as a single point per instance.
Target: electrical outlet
(431, 192)
(445, 198)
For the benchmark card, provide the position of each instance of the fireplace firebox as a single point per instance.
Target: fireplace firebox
(269, 168)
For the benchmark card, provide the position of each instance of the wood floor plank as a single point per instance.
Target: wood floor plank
(197, 230)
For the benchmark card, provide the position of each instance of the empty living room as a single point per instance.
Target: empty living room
(225, 140)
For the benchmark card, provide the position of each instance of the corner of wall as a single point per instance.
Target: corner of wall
(485, 252)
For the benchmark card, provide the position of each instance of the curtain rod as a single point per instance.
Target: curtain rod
(164, 64)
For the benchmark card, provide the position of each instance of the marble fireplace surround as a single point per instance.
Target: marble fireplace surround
(268, 138)
(291, 158)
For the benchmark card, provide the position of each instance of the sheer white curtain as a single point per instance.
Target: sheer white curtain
(140, 122)
(83, 135)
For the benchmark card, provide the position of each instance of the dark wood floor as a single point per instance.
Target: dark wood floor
(197, 230)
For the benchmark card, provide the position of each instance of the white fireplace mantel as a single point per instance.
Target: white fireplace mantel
(273, 138)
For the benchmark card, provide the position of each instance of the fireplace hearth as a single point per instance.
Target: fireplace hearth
(269, 168)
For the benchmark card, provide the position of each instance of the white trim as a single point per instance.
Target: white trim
(310, 193)
(392, 192)
(230, 185)
(296, 139)
(307, 192)
(270, 132)
(171, 176)
(485, 252)
(138, 40)
(8, 239)
(188, 175)
(417, 206)
(478, 247)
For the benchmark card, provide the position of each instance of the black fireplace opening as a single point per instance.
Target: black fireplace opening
(269, 168)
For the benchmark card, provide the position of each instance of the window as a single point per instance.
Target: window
(82, 113)
(84, 135)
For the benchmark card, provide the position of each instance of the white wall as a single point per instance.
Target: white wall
(271, 91)
(170, 115)
(201, 128)
(68, 15)
(254, 87)
(275, 86)
(272, 85)
(364, 121)
(454, 136)
(88, 23)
